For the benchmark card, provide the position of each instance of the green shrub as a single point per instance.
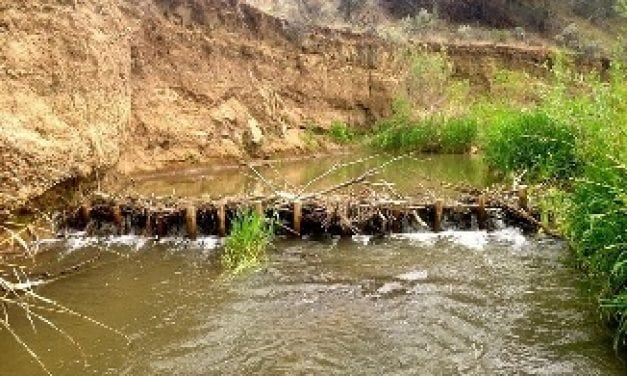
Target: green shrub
(428, 80)
(341, 133)
(458, 135)
(532, 142)
(246, 245)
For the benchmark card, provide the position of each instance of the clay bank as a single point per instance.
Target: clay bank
(128, 86)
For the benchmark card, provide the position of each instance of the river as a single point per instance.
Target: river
(414, 304)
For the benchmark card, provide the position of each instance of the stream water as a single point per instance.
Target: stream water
(415, 304)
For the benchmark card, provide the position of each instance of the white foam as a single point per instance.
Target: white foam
(389, 287)
(362, 239)
(476, 240)
(131, 241)
(416, 275)
(45, 242)
(79, 241)
(204, 243)
(512, 236)
(75, 243)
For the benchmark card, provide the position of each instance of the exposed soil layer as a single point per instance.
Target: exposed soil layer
(90, 85)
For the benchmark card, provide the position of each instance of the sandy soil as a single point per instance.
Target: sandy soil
(138, 85)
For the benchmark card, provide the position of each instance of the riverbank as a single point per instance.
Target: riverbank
(145, 86)
(572, 146)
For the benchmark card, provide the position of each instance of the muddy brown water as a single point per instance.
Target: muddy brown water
(415, 304)
(418, 175)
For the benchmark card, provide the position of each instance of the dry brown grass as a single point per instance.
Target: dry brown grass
(19, 240)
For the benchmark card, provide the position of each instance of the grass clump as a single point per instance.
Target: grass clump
(400, 132)
(596, 224)
(532, 142)
(412, 135)
(247, 244)
(458, 135)
(341, 133)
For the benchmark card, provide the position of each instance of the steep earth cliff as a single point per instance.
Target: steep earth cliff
(140, 84)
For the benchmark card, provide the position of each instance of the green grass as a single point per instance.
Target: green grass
(341, 133)
(597, 227)
(457, 135)
(247, 243)
(575, 142)
(532, 142)
(431, 135)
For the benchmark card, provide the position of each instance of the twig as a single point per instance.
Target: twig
(357, 180)
(334, 168)
(264, 180)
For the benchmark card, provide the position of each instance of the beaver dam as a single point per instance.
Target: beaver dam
(447, 298)
(330, 215)
(360, 205)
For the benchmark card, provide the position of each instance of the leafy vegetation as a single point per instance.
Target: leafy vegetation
(534, 143)
(457, 135)
(246, 246)
(341, 133)
(432, 134)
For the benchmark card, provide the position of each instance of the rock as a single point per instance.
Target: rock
(253, 136)
(255, 132)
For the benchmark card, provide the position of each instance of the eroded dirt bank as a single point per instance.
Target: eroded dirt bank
(137, 85)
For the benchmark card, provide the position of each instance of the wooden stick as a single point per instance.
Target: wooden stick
(524, 215)
(298, 214)
(523, 200)
(334, 168)
(438, 209)
(190, 222)
(482, 215)
(359, 179)
(148, 226)
(117, 218)
(259, 209)
(419, 220)
(84, 214)
(221, 220)
(161, 229)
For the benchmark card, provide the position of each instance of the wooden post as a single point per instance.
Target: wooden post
(523, 200)
(384, 220)
(148, 225)
(116, 213)
(298, 216)
(259, 209)
(347, 226)
(190, 222)
(221, 220)
(481, 213)
(160, 230)
(438, 213)
(84, 214)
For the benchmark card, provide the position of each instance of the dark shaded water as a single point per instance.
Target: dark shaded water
(454, 303)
